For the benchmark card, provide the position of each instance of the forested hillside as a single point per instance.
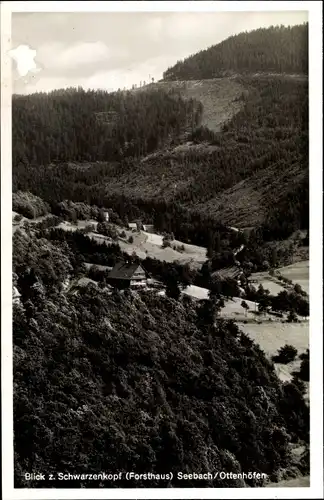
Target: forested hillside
(249, 174)
(108, 380)
(125, 382)
(75, 125)
(272, 50)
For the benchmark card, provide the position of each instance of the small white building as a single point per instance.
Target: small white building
(132, 225)
(106, 216)
(148, 228)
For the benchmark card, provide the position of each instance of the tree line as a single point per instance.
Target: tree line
(277, 49)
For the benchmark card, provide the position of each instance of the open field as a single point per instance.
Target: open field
(268, 282)
(196, 292)
(268, 333)
(297, 273)
(271, 336)
(147, 245)
(234, 310)
(150, 245)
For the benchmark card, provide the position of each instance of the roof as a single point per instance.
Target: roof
(228, 272)
(132, 224)
(125, 271)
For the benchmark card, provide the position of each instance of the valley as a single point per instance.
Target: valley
(269, 332)
(160, 272)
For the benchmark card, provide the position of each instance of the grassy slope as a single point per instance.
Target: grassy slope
(216, 95)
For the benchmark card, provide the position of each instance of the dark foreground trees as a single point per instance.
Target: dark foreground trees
(134, 382)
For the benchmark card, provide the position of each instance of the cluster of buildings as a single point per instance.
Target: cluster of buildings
(138, 226)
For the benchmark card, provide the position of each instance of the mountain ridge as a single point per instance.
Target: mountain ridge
(277, 48)
(165, 145)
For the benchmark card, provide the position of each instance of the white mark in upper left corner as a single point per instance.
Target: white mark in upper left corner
(24, 57)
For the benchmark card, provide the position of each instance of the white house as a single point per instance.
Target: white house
(148, 228)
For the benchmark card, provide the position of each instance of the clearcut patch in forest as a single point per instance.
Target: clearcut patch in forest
(219, 97)
(246, 203)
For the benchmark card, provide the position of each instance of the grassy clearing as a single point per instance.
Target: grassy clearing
(196, 292)
(268, 282)
(234, 310)
(146, 245)
(150, 245)
(271, 336)
(297, 273)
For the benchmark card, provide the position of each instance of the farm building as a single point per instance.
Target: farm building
(128, 275)
(148, 228)
(132, 225)
(233, 272)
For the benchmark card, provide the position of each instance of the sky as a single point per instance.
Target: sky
(115, 50)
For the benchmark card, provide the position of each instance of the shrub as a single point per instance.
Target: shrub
(89, 228)
(107, 230)
(29, 205)
(166, 243)
(245, 306)
(285, 355)
(299, 383)
(292, 317)
(304, 370)
(304, 355)
(131, 239)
